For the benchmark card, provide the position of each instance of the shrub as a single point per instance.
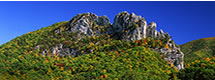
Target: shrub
(203, 69)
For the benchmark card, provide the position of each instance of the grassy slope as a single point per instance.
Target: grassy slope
(204, 47)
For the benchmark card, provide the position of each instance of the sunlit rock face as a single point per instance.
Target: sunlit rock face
(85, 24)
(173, 54)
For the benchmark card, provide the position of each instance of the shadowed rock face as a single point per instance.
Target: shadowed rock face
(129, 26)
(125, 27)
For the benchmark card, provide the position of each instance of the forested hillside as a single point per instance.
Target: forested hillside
(90, 47)
(200, 48)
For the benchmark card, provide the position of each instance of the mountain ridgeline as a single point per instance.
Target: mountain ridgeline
(128, 27)
(97, 41)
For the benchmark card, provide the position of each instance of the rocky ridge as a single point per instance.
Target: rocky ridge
(125, 27)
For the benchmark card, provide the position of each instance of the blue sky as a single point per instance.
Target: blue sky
(184, 21)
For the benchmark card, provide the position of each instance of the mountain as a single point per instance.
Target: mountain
(90, 47)
(204, 47)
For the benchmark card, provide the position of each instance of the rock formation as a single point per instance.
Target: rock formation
(125, 27)
(87, 22)
(132, 27)
(129, 26)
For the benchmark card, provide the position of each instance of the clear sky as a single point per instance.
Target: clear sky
(184, 21)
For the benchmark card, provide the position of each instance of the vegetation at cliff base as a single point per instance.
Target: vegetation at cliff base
(134, 63)
(109, 59)
(200, 69)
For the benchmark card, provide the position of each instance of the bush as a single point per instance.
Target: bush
(203, 69)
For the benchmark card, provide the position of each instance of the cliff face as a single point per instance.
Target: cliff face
(125, 27)
(129, 26)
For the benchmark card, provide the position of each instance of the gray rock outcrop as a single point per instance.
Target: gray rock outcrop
(129, 26)
(173, 54)
(86, 23)
(60, 51)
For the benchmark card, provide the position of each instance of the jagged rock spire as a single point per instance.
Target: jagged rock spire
(129, 26)
(151, 30)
